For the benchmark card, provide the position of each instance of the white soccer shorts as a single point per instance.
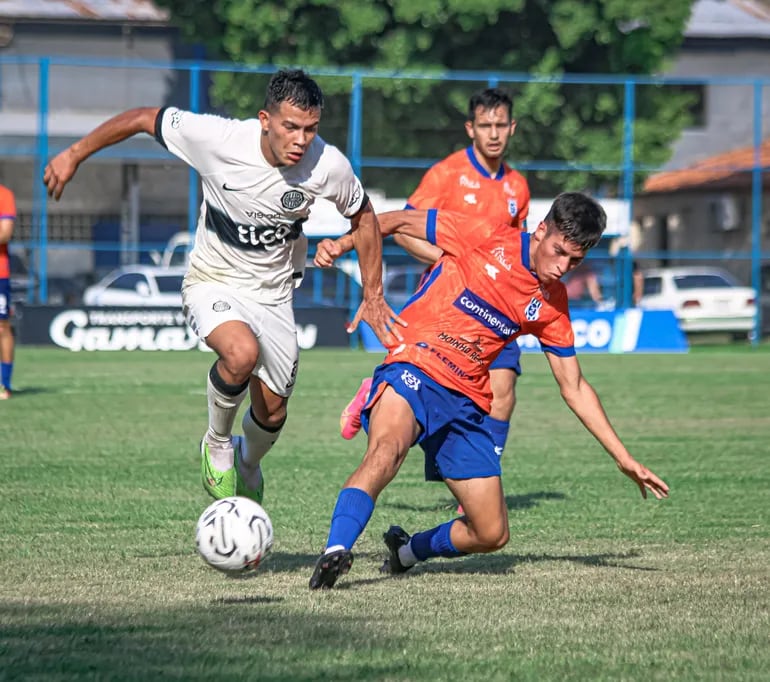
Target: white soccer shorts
(206, 306)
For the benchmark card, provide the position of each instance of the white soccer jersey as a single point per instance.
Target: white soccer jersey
(252, 213)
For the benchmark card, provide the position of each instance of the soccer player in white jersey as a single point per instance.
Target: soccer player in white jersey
(260, 178)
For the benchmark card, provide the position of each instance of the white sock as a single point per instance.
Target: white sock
(257, 440)
(333, 548)
(221, 455)
(223, 407)
(406, 555)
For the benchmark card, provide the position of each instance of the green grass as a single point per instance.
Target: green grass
(101, 581)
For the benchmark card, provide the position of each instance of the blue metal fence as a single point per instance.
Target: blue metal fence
(41, 144)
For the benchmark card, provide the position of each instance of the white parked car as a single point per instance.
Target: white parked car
(138, 285)
(704, 299)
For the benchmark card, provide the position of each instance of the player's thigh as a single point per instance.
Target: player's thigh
(279, 351)
(483, 502)
(225, 320)
(392, 421)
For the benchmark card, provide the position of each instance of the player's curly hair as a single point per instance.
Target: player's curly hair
(293, 86)
(578, 217)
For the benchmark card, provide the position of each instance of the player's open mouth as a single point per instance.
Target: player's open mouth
(295, 156)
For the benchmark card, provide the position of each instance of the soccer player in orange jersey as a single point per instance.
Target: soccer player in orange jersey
(7, 219)
(474, 181)
(433, 389)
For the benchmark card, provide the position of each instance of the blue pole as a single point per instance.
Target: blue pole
(192, 175)
(355, 154)
(39, 191)
(355, 124)
(756, 212)
(629, 113)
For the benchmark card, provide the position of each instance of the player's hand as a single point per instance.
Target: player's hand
(327, 251)
(59, 172)
(381, 318)
(644, 478)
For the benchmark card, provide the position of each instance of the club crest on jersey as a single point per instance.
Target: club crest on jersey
(513, 207)
(532, 311)
(410, 380)
(292, 199)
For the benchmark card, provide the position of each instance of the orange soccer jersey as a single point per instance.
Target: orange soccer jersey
(479, 296)
(460, 183)
(7, 210)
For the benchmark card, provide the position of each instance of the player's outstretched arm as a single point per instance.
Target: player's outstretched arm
(406, 224)
(418, 248)
(584, 402)
(63, 166)
(374, 310)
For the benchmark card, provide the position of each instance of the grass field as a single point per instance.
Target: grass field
(101, 492)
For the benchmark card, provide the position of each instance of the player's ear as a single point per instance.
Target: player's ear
(539, 234)
(513, 126)
(469, 129)
(264, 119)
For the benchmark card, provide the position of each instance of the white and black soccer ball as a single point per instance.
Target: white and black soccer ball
(234, 535)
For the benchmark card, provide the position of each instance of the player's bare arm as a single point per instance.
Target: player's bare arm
(418, 248)
(374, 310)
(410, 223)
(63, 166)
(584, 402)
(6, 230)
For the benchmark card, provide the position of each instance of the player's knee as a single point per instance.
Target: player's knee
(492, 537)
(239, 359)
(383, 457)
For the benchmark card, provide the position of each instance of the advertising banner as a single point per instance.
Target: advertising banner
(628, 331)
(109, 329)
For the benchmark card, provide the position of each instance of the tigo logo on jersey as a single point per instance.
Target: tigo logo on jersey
(487, 314)
(532, 311)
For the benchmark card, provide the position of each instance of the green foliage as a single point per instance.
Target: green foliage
(579, 124)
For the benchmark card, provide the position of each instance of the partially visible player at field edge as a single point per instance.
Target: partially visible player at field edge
(7, 342)
(475, 181)
(260, 178)
(491, 285)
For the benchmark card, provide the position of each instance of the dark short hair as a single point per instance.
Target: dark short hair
(577, 217)
(489, 99)
(293, 86)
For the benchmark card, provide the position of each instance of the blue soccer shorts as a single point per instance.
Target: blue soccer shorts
(5, 298)
(509, 358)
(455, 434)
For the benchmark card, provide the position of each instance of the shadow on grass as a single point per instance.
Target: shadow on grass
(513, 502)
(30, 391)
(234, 640)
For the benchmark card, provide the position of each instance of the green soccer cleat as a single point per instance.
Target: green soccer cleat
(241, 485)
(218, 484)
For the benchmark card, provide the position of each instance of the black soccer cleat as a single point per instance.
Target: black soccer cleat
(329, 567)
(394, 538)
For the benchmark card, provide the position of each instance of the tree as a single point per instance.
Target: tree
(579, 124)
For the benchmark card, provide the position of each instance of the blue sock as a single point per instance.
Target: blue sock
(351, 514)
(6, 369)
(435, 542)
(499, 430)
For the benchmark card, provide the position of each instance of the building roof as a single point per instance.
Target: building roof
(80, 10)
(729, 19)
(723, 170)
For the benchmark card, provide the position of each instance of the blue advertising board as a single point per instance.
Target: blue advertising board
(622, 331)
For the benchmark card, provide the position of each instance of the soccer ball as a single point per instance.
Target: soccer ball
(234, 534)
